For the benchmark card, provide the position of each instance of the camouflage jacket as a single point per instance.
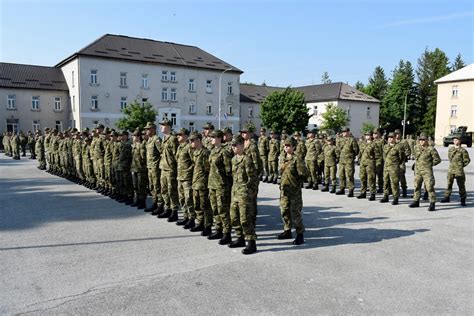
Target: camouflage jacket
(263, 143)
(251, 150)
(273, 149)
(201, 168)
(184, 157)
(207, 142)
(367, 154)
(293, 173)
(313, 149)
(169, 146)
(153, 152)
(378, 143)
(393, 155)
(220, 171)
(426, 158)
(348, 149)
(243, 172)
(139, 161)
(108, 152)
(300, 149)
(330, 155)
(77, 148)
(125, 155)
(458, 160)
(405, 147)
(39, 145)
(98, 148)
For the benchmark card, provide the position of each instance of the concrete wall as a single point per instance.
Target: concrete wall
(248, 116)
(46, 115)
(465, 108)
(71, 74)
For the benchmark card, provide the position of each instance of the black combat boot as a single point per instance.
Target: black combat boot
(299, 240)
(342, 191)
(206, 231)
(333, 190)
(165, 214)
(182, 222)
(395, 201)
(325, 189)
(275, 181)
(198, 228)
(351, 193)
(380, 190)
(239, 242)
(309, 185)
(404, 192)
(251, 247)
(362, 196)
(285, 235)
(425, 196)
(315, 186)
(141, 204)
(372, 197)
(463, 201)
(216, 235)
(446, 199)
(225, 240)
(414, 204)
(384, 199)
(173, 216)
(151, 208)
(129, 200)
(135, 203)
(431, 208)
(190, 224)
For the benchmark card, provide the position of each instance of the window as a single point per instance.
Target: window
(454, 110)
(173, 119)
(145, 81)
(250, 111)
(191, 127)
(123, 103)
(208, 86)
(57, 103)
(209, 108)
(59, 126)
(73, 103)
(164, 75)
(173, 94)
(454, 92)
(94, 102)
(368, 112)
(164, 94)
(123, 79)
(35, 103)
(315, 110)
(173, 76)
(72, 79)
(93, 76)
(192, 107)
(36, 125)
(11, 100)
(230, 109)
(229, 88)
(144, 101)
(191, 87)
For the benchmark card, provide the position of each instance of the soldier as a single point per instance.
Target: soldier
(313, 151)
(39, 149)
(227, 140)
(367, 167)
(273, 154)
(241, 208)
(77, 154)
(379, 143)
(321, 143)
(405, 147)
(411, 142)
(263, 149)
(47, 147)
(347, 151)
(169, 169)
(23, 142)
(123, 174)
(200, 187)
(31, 145)
(219, 183)
(139, 170)
(300, 150)
(425, 159)
(284, 135)
(330, 164)
(15, 146)
(184, 158)
(110, 138)
(207, 140)
(458, 160)
(392, 156)
(293, 174)
(97, 156)
(87, 165)
(153, 155)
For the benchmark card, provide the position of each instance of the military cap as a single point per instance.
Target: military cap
(284, 131)
(100, 126)
(457, 136)
(376, 131)
(217, 133)
(330, 138)
(227, 130)
(274, 132)
(391, 134)
(290, 141)
(113, 133)
(297, 133)
(397, 131)
(368, 133)
(150, 125)
(137, 132)
(208, 126)
(124, 133)
(107, 130)
(195, 136)
(249, 127)
(183, 131)
(263, 129)
(85, 130)
(166, 122)
(237, 140)
(313, 131)
(85, 133)
(422, 136)
(55, 130)
(47, 129)
(345, 129)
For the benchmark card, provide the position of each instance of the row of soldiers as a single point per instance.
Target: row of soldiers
(14, 143)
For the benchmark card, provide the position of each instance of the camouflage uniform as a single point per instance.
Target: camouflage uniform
(169, 168)
(23, 140)
(109, 181)
(123, 169)
(153, 154)
(379, 144)
(392, 155)
(263, 150)
(98, 151)
(77, 154)
(425, 159)
(458, 160)
(273, 154)
(330, 165)
(184, 157)
(31, 145)
(405, 147)
(15, 146)
(40, 153)
(138, 168)
(313, 151)
(367, 168)
(200, 188)
(348, 149)
(251, 151)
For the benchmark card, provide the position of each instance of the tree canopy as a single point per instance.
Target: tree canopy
(136, 115)
(334, 118)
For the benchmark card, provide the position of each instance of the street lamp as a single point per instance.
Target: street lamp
(220, 83)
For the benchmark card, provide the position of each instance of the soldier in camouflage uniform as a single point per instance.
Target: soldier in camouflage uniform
(219, 183)
(184, 158)
(379, 144)
(458, 160)
(139, 170)
(77, 154)
(330, 164)
(393, 154)
(293, 174)
(411, 142)
(39, 149)
(300, 150)
(169, 169)
(273, 154)
(263, 149)
(200, 186)
(153, 155)
(314, 149)
(15, 146)
(426, 158)
(367, 167)
(110, 137)
(6, 143)
(31, 145)
(348, 149)
(206, 139)
(47, 147)
(87, 165)
(321, 143)
(405, 147)
(227, 140)
(242, 210)
(23, 142)
(123, 174)
(97, 156)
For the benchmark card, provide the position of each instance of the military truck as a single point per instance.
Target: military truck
(461, 131)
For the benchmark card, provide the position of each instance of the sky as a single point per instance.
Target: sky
(280, 42)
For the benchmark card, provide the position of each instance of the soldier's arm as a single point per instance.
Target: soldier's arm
(355, 147)
(207, 166)
(465, 158)
(451, 152)
(227, 163)
(250, 169)
(435, 157)
(301, 168)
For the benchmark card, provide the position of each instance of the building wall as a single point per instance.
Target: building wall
(71, 75)
(250, 113)
(23, 112)
(464, 102)
(109, 92)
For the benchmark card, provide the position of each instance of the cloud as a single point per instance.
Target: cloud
(431, 19)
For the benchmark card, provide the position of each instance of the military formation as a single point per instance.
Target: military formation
(213, 177)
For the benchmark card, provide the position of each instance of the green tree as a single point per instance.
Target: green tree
(378, 84)
(359, 86)
(334, 118)
(285, 110)
(136, 115)
(367, 127)
(458, 63)
(325, 78)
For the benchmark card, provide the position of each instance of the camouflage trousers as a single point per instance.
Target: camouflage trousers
(367, 176)
(124, 182)
(139, 180)
(154, 184)
(220, 204)
(108, 176)
(460, 180)
(426, 177)
(41, 159)
(169, 189)
(402, 178)
(241, 213)
(321, 171)
(99, 171)
(330, 173)
(379, 174)
(185, 192)
(272, 170)
(78, 165)
(312, 166)
(291, 204)
(88, 170)
(391, 181)
(265, 166)
(202, 207)
(346, 175)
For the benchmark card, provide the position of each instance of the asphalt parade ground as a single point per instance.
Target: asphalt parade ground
(65, 249)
